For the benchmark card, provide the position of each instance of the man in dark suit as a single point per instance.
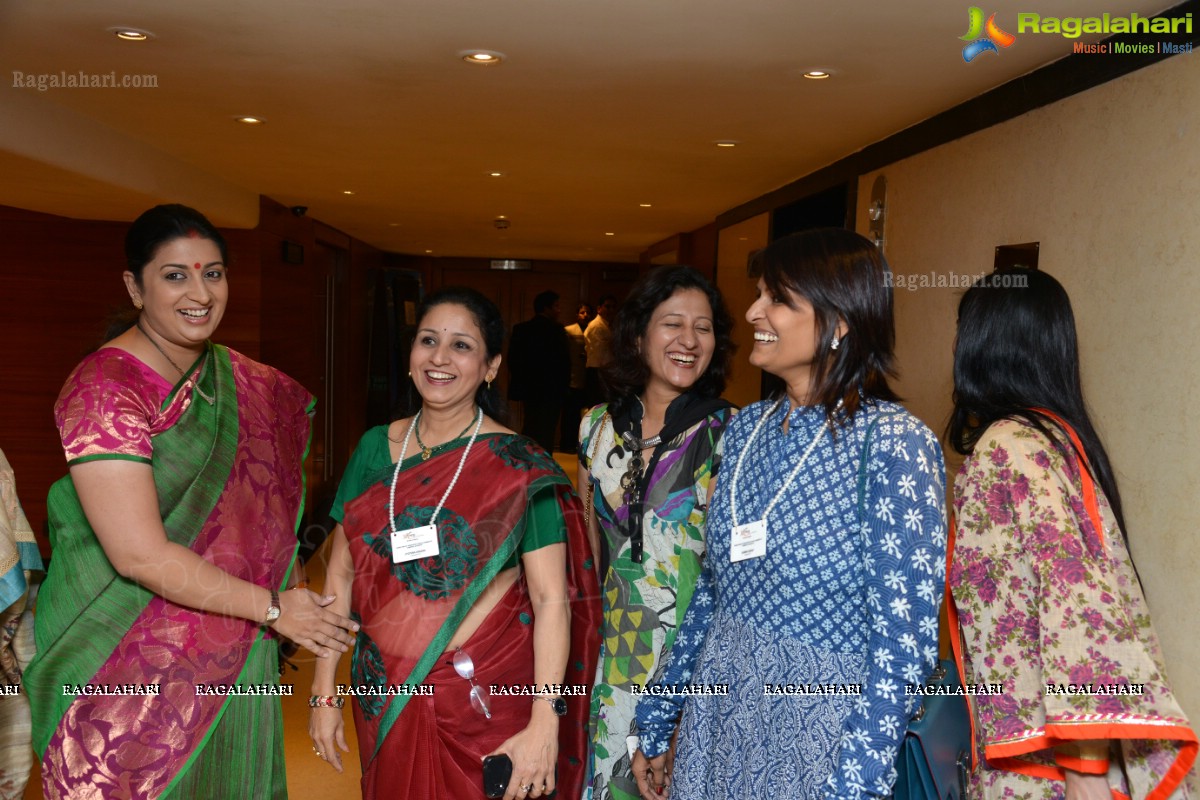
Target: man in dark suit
(539, 369)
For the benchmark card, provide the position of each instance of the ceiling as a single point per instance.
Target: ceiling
(600, 106)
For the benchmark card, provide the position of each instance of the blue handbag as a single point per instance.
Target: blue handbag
(935, 757)
(934, 760)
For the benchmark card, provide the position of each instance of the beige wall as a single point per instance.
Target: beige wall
(1109, 182)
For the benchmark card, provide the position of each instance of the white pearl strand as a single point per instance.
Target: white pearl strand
(404, 449)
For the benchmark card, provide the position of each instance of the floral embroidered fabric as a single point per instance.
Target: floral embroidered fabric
(1051, 608)
(845, 595)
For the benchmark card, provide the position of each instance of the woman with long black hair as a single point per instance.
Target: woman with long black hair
(1050, 604)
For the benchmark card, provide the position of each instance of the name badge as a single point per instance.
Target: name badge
(413, 543)
(748, 541)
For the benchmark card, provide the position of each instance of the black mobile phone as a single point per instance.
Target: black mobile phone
(497, 770)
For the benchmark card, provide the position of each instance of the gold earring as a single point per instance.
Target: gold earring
(489, 384)
(137, 303)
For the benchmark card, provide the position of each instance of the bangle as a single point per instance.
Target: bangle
(325, 701)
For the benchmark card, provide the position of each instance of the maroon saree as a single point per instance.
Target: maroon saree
(432, 745)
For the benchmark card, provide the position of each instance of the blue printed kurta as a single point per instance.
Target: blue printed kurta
(847, 595)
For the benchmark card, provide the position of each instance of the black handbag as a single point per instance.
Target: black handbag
(935, 756)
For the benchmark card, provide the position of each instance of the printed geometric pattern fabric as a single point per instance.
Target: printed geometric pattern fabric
(644, 602)
(845, 581)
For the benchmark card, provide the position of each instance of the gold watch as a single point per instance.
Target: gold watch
(274, 611)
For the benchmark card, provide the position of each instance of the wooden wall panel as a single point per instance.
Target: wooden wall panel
(60, 281)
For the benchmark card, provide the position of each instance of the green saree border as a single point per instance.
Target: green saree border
(259, 641)
(100, 605)
(108, 457)
(424, 665)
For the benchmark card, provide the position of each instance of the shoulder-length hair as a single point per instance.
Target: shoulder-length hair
(628, 373)
(1016, 352)
(846, 279)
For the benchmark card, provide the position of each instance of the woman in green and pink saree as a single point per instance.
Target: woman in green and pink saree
(172, 539)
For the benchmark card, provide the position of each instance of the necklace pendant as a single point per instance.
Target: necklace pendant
(426, 453)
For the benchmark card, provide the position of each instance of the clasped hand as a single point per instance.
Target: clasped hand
(304, 619)
(533, 752)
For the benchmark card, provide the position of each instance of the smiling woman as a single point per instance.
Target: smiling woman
(825, 546)
(652, 454)
(172, 540)
(460, 546)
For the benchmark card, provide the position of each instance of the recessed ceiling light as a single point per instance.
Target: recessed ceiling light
(250, 120)
(610, 234)
(393, 224)
(496, 174)
(816, 74)
(726, 143)
(428, 251)
(482, 56)
(643, 205)
(347, 191)
(129, 34)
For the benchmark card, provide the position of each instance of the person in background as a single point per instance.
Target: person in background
(651, 456)
(19, 562)
(573, 405)
(826, 553)
(1048, 598)
(540, 369)
(598, 337)
(173, 539)
(498, 587)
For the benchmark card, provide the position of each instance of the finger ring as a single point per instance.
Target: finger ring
(318, 752)
(527, 787)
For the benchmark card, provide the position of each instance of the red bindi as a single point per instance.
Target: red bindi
(196, 265)
(193, 233)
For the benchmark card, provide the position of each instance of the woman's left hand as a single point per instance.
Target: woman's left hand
(533, 752)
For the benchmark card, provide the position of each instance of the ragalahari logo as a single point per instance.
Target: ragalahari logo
(983, 37)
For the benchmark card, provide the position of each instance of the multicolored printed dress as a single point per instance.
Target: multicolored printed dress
(643, 602)
(1051, 608)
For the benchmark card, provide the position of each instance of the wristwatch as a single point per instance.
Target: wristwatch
(557, 703)
(273, 611)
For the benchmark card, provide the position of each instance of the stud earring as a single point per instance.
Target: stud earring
(835, 343)
(137, 303)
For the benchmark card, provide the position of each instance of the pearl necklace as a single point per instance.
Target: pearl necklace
(404, 449)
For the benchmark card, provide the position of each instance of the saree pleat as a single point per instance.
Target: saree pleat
(239, 758)
(422, 746)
